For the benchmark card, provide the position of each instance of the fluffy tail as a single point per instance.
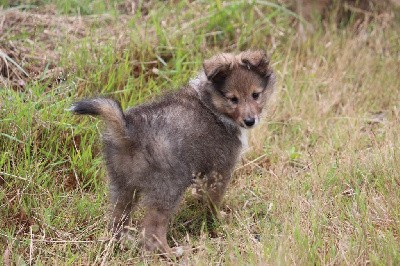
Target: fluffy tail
(110, 111)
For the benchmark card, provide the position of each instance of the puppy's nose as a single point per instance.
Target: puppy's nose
(250, 121)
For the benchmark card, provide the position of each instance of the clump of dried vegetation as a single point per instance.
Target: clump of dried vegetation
(320, 184)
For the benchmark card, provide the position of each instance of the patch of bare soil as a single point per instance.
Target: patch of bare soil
(31, 42)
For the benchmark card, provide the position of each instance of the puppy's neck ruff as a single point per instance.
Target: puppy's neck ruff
(197, 82)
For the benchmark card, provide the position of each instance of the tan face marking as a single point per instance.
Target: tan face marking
(242, 98)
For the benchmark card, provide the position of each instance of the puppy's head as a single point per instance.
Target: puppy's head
(240, 85)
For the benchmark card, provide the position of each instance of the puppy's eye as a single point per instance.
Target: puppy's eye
(255, 95)
(234, 100)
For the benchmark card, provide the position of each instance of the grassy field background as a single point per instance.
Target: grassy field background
(319, 186)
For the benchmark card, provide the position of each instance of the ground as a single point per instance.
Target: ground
(319, 184)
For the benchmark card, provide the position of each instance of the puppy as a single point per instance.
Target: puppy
(155, 151)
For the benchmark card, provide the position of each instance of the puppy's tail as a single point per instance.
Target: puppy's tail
(110, 111)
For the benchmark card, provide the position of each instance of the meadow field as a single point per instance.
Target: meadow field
(320, 184)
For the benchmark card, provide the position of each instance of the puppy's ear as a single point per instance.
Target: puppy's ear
(257, 60)
(218, 67)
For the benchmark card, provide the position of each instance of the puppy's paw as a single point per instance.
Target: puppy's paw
(180, 251)
(222, 214)
(128, 242)
(197, 194)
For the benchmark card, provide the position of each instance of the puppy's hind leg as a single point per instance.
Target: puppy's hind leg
(155, 227)
(160, 207)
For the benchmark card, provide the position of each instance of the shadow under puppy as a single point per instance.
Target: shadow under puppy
(155, 151)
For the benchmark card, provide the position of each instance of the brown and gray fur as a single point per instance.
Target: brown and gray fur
(155, 151)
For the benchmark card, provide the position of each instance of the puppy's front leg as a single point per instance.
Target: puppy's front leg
(215, 190)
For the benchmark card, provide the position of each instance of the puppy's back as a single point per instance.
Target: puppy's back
(181, 127)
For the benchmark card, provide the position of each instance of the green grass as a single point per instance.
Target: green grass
(320, 184)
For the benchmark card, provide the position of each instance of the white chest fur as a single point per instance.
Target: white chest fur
(244, 140)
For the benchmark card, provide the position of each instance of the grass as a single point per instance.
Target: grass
(320, 184)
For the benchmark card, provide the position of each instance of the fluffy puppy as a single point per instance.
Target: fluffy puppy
(155, 151)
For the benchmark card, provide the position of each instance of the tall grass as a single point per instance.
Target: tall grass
(319, 185)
